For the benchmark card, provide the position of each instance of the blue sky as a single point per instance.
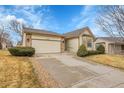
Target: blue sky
(57, 18)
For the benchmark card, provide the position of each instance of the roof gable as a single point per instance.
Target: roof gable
(78, 32)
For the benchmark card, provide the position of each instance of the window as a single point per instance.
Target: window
(89, 44)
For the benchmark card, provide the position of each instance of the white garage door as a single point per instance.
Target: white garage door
(72, 45)
(43, 46)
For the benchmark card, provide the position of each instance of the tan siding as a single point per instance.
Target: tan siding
(111, 48)
(114, 49)
(36, 36)
(24, 39)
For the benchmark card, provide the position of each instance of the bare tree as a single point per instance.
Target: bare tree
(4, 36)
(111, 20)
(6, 30)
(15, 26)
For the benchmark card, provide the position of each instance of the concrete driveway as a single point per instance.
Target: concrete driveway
(69, 71)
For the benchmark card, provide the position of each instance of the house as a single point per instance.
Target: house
(43, 41)
(74, 39)
(51, 42)
(5, 44)
(113, 45)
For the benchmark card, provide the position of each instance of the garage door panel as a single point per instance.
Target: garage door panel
(43, 46)
(72, 45)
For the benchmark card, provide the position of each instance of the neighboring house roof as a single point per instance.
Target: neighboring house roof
(39, 31)
(112, 39)
(77, 32)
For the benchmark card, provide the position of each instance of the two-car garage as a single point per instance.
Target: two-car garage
(46, 46)
(43, 41)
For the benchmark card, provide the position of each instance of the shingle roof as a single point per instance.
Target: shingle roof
(75, 33)
(71, 34)
(113, 39)
(39, 31)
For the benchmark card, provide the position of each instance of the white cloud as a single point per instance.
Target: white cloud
(35, 16)
(22, 21)
(6, 19)
(86, 9)
(82, 23)
(86, 18)
(86, 13)
(10, 17)
(83, 18)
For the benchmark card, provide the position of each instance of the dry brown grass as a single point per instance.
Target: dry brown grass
(16, 72)
(111, 60)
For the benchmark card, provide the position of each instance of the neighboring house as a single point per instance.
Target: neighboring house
(74, 39)
(43, 41)
(112, 45)
(5, 44)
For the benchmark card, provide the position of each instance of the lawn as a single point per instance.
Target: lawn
(111, 60)
(16, 72)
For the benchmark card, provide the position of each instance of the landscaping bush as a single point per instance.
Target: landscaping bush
(101, 49)
(93, 52)
(82, 51)
(22, 51)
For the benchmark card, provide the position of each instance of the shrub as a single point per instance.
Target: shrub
(82, 51)
(93, 52)
(101, 49)
(22, 51)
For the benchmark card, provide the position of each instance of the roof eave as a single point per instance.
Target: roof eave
(29, 32)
